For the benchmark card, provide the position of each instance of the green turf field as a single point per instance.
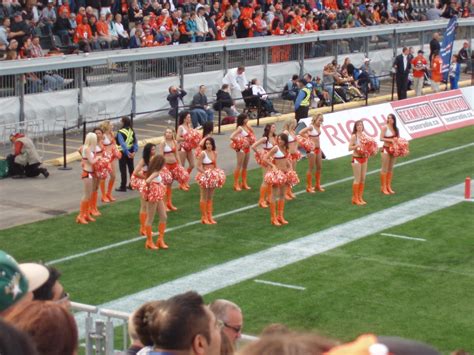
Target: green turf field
(127, 269)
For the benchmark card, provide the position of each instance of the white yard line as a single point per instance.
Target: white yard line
(402, 237)
(238, 210)
(278, 284)
(253, 265)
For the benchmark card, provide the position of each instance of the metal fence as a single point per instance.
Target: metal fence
(19, 79)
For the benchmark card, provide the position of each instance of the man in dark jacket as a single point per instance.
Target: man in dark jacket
(200, 111)
(175, 94)
(225, 102)
(434, 45)
(402, 66)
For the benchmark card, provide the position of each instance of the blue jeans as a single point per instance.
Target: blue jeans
(199, 116)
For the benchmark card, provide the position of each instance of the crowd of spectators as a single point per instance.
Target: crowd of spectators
(90, 25)
(36, 319)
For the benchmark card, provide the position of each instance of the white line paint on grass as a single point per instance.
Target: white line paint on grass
(253, 265)
(271, 283)
(402, 237)
(245, 208)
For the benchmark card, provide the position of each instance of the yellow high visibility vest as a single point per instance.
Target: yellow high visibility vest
(305, 102)
(128, 133)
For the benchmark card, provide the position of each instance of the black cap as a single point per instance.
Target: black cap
(420, 52)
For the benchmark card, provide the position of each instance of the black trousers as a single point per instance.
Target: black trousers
(301, 112)
(402, 86)
(29, 170)
(125, 162)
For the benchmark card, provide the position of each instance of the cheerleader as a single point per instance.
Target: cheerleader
(138, 181)
(388, 134)
(173, 169)
(315, 158)
(268, 141)
(188, 138)
(207, 131)
(154, 194)
(295, 155)
(359, 163)
(113, 153)
(241, 140)
(209, 178)
(101, 169)
(88, 160)
(279, 178)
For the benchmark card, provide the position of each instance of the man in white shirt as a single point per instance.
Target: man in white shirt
(265, 102)
(236, 80)
(202, 27)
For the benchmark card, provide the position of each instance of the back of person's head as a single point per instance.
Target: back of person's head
(140, 321)
(288, 344)
(274, 329)
(179, 321)
(126, 123)
(45, 321)
(295, 77)
(221, 307)
(46, 291)
(14, 342)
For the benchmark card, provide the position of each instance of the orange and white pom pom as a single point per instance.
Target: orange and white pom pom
(211, 178)
(400, 147)
(198, 151)
(292, 178)
(137, 183)
(166, 176)
(102, 168)
(240, 143)
(251, 138)
(116, 154)
(180, 174)
(191, 140)
(305, 142)
(156, 192)
(368, 146)
(275, 178)
(295, 156)
(260, 158)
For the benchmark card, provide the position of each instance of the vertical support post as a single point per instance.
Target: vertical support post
(225, 61)
(89, 344)
(80, 96)
(84, 128)
(21, 90)
(265, 67)
(125, 335)
(181, 71)
(366, 46)
(133, 76)
(301, 57)
(395, 43)
(109, 337)
(176, 120)
(64, 167)
(219, 122)
(422, 39)
(336, 49)
(393, 86)
(332, 99)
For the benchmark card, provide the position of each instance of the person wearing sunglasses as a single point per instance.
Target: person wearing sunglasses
(231, 317)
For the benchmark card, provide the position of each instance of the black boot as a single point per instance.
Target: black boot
(44, 172)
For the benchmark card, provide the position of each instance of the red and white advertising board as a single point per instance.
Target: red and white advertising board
(453, 109)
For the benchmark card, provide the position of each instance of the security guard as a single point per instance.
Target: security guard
(128, 145)
(302, 100)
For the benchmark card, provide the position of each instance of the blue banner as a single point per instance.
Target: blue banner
(447, 45)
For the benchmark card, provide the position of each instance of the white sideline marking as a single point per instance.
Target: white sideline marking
(245, 208)
(253, 265)
(402, 237)
(280, 285)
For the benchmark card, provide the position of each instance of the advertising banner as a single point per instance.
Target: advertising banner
(453, 109)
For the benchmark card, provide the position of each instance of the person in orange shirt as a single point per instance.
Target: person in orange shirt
(298, 22)
(222, 27)
(288, 28)
(310, 25)
(436, 75)
(65, 6)
(419, 68)
(80, 14)
(165, 20)
(277, 28)
(260, 25)
(103, 31)
(83, 36)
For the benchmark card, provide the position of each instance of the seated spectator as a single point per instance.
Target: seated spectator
(224, 102)
(4, 33)
(200, 111)
(19, 29)
(290, 91)
(259, 91)
(48, 18)
(138, 329)
(373, 81)
(174, 95)
(63, 27)
(183, 324)
(65, 7)
(51, 289)
(25, 160)
(45, 321)
(73, 21)
(202, 26)
(136, 40)
(231, 316)
(14, 341)
(321, 93)
(464, 56)
(96, 43)
(83, 35)
(17, 282)
(104, 36)
(123, 36)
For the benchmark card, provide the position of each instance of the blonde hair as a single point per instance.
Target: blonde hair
(173, 132)
(288, 123)
(106, 126)
(90, 141)
(315, 118)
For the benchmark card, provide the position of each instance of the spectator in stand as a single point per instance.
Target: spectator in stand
(64, 6)
(236, 80)
(83, 36)
(434, 45)
(25, 160)
(174, 95)
(45, 321)
(436, 74)
(73, 22)
(4, 33)
(114, 37)
(96, 43)
(433, 13)
(202, 26)
(419, 64)
(374, 82)
(19, 29)
(200, 111)
(123, 36)
(128, 145)
(105, 39)
(48, 18)
(15, 342)
(63, 27)
(231, 316)
(136, 40)
(105, 7)
(191, 27)
(93, 7)
(265, 102)
(51, 289)
(303, 100)
(464, 57)
(183, 324)
(454, 72)
(290, 91)
(224, 102)
(17, 282)
(402, 68)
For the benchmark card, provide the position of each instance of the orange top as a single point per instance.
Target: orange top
(259, 26)
(82, 32)
(220, 29)
(247, 13)
(418, 63)
(436, 69)
(65, 7)
(102, 28)
(298, 24)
